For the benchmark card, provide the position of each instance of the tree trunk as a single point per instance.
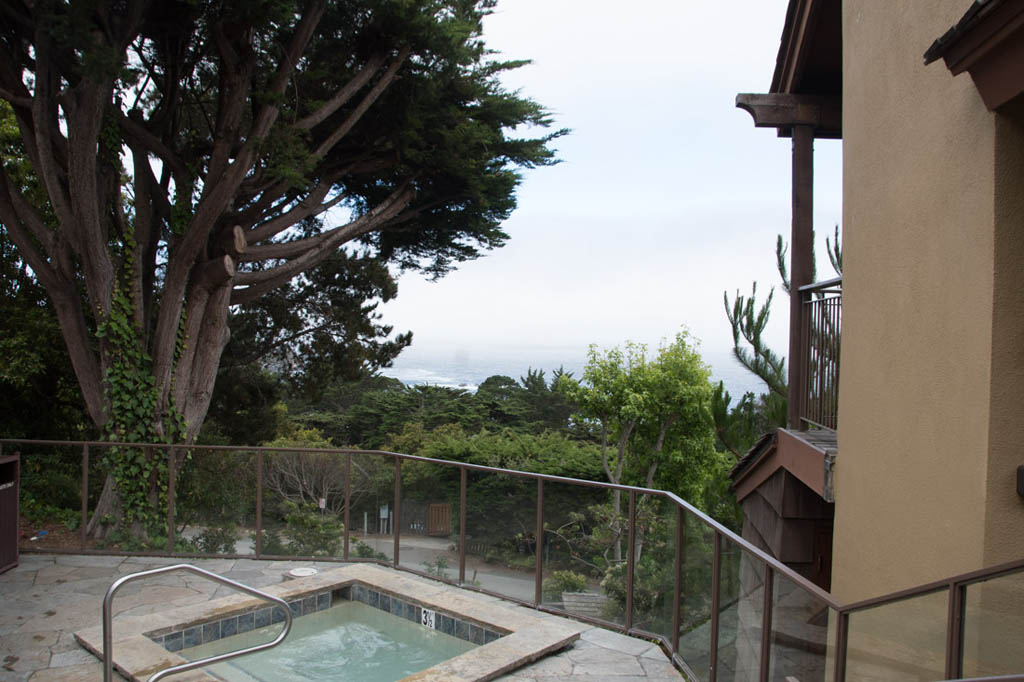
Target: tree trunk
(107, 507)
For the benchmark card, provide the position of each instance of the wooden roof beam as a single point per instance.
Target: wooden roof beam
(823, 113)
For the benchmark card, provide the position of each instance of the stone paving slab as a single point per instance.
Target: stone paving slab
(48, 597)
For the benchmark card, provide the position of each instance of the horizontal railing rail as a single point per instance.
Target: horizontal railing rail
(715, 574)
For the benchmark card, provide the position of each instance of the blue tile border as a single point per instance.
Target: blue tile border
(443, 622)
(203, 633)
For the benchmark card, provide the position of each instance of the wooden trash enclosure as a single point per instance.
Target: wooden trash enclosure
(439, 519)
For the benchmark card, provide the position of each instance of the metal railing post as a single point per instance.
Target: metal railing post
(84, 530)
(396, 513)
(766, 623)
(842, 632)
(716, 599)
(462, 525)
(348, 502)
(538, 582)
(259, 503)
(170, 499)
(630, 559)
(954, 631)
(677, 588)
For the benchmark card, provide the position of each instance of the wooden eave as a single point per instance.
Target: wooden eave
(809, 61)
(988, 43)
(787, 451)
(823, 113)
(808, 80)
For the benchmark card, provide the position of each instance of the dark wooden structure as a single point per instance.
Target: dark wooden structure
(10, 476)
(988, 43)
(785, 486)
(439, 519)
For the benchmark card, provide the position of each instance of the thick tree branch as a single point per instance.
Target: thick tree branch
(312, 204)
(343, 95)
(304, 31)
(260, 282)
(224, 178)
(364, 105)
(142, 140)
(45, 128)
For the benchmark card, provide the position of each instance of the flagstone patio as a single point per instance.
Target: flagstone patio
(48, 597)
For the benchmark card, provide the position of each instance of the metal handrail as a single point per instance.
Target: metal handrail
(834, 283)
(108, 634)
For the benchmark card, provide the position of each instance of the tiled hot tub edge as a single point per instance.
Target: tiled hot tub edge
(204, 632)
(138, 656)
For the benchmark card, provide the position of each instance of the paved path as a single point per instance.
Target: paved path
(48, 597)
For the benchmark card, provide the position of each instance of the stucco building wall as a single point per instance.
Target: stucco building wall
(921, 389)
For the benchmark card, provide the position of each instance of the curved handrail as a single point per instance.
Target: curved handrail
(108, 635)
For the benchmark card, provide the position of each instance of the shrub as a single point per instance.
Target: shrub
(563, 581)
(365, 551)
(311, 532)
(217, 539)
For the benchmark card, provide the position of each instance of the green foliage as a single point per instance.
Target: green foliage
(140, 474)
(656, 409)
(216, 488)
(218, 539)
(546, 453)
(312, 532)
(247, 407)
(563, 581)
(364, 551)
(307, 531)
(39, 511)
(438, 567)
(749, 322)
(39, 394)
(320, 330)
(369, 412)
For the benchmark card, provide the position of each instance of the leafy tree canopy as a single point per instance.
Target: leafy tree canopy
(656, 409)
(181, 149)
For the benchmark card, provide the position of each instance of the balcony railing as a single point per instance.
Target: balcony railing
(723, 609)
(820, 344)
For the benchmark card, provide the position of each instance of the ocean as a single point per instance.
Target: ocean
(468, 368)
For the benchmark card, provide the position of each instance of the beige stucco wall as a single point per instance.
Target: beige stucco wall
(913, 476)
(1004, 509)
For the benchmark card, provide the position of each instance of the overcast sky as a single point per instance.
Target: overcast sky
(666, 196)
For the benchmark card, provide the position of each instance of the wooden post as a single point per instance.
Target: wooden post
(801, 269)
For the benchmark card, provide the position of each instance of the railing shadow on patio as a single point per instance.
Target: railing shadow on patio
(653, 565)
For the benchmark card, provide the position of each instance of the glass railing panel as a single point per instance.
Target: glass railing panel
(741, 586)
(50, 494)
(655, 564)
(695, 596)
(303, 503)
(800, 641)
(904, 640)
(372, 515)
(214, 501)
(994, 627)
(501, 527)
(577, 552)
(428, 519)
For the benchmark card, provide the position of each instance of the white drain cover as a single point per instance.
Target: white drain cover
(302, 572)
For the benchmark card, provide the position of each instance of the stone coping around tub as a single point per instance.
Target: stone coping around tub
(526, 635)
